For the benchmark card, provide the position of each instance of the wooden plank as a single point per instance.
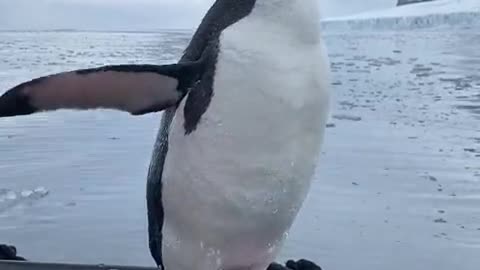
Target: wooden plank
(13, 265)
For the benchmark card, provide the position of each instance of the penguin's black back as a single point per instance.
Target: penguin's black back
(221, 15)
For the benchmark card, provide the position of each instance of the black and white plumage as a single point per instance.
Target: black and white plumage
(227, 193)
(244, 116)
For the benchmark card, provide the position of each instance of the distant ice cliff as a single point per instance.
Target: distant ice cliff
(421, 15)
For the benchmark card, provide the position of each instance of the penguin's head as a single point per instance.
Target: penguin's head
(273, 5)
(285, 9)
(301, 17)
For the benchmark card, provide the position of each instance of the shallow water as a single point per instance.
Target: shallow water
(398, 185)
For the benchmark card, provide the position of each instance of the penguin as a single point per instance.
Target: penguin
(243, 119)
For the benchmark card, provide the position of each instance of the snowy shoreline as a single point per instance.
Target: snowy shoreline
(468, 19)
(415, 16)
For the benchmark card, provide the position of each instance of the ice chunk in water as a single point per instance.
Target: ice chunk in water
(27, 193)
(41, 191)
(11, 195)
(10, 199)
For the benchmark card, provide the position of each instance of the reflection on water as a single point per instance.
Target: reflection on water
(398, 185)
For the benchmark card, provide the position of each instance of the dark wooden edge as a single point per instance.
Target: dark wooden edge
(14, 265)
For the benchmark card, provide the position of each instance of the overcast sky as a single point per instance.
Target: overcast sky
(134, 14)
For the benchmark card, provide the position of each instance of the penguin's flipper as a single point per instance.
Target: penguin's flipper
(137, 89)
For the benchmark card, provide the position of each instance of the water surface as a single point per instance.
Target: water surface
(397, 187)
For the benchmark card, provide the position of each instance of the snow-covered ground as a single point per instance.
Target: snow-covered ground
(427, 14)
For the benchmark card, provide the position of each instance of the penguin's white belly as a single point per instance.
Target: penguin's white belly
(232, 188)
